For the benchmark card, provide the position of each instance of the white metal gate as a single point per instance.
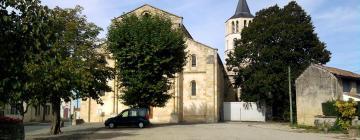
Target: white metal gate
(243, 111)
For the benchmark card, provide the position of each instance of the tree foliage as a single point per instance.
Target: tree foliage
(73, 67)
(49, 55)
(346, 112)
(277, 38)
(148, 51)
(20, 37)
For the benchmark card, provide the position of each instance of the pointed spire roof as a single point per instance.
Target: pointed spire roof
(242, 10)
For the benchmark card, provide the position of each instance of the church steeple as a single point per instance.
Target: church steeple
(242, 10)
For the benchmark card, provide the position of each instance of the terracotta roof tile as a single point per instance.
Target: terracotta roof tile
(340, 72)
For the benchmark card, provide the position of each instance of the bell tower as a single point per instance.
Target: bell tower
(235, 24)
(233, 27)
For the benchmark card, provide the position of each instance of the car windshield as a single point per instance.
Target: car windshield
(124, 114)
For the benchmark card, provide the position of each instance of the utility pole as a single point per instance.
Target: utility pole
(290, 99)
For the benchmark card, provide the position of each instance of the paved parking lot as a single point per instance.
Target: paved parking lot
(218, 131)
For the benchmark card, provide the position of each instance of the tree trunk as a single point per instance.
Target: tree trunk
(44, 111)
(55, 112)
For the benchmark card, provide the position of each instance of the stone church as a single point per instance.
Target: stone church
(198, 91)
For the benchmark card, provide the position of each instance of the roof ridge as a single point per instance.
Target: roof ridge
(149, 6)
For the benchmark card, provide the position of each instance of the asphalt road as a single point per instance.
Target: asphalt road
(33, 127)
(217, 131)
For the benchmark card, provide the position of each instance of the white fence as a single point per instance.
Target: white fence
(244, 111)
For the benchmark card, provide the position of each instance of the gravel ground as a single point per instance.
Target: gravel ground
(216, 131)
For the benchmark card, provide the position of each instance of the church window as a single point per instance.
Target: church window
(237, 26)
(193, 60)
(193, 88)
(233, 27)
(244, 23)
(249, 22)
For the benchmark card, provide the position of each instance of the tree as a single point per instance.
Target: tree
(49, 55)
(277, 38)
(23, 33)
(73, 66)
(147, 52)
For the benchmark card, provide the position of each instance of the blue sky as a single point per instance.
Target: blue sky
(337, 22)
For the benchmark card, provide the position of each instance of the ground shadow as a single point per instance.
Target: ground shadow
(83, 134)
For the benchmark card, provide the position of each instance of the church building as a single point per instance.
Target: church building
(198, 91)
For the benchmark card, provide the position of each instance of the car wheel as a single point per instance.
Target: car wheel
(141, 125)
(111, 125)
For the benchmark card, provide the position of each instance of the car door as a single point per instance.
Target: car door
(123, 118)
(133, 114)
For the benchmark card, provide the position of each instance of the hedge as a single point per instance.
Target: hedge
(329, 109)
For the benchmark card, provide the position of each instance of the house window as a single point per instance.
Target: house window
(244, 23)
(13, 110)
(193, 88)
(193, 60)
(346, 86)
(358, 87)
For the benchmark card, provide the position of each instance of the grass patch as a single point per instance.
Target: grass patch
(313, 129)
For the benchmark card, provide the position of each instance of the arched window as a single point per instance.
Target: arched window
(233, 27)
(237, 26)
(249, 22)
(244, 23)
(193, 88)
(193, 60)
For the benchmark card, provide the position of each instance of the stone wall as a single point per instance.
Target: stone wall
(313, 87)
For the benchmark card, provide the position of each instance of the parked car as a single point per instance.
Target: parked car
(130, 117)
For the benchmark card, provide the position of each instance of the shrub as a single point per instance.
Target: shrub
(346, 112)
(9, 120)
(358, 109)
(329, 109)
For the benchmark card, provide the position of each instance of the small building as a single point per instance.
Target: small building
(34, 113)
(319, 84)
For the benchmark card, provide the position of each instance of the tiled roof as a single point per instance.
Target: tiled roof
(340, 73)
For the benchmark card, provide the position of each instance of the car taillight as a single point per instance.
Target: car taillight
(147, 116)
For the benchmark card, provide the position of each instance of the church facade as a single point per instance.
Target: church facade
(198, 91)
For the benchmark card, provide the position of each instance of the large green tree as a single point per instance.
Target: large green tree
(277, 38)
(49, 55)
(24, 27)
(73, 66)
(148, 51)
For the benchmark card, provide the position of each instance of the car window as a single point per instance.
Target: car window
(133, 113)
(142, 113)
(125, 114)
